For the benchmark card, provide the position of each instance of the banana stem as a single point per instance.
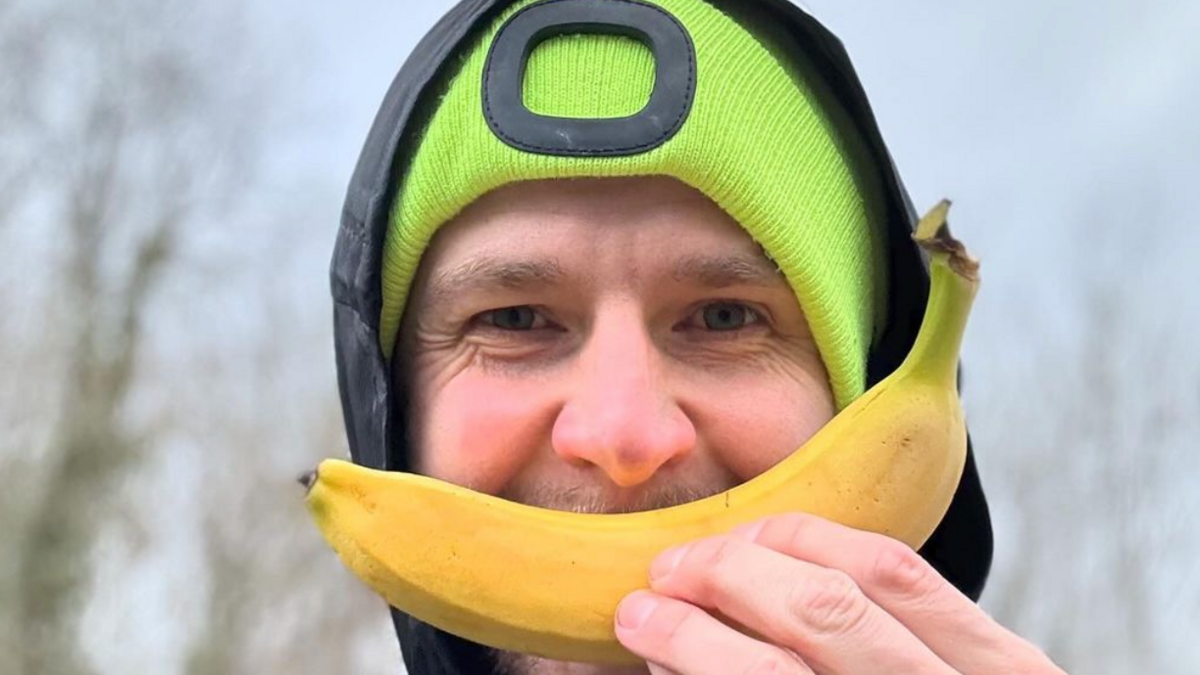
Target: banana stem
(308, 479)
(954, 279)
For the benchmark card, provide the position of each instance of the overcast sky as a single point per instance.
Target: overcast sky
(1024, 113)
(1043, 121)
(1065, 133)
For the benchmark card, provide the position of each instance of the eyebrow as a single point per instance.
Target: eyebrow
(489, 272)
(726, 271)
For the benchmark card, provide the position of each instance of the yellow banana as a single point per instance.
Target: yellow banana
(546, 582)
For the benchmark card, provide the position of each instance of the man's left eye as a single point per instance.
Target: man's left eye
(726, 316)
(519, 318)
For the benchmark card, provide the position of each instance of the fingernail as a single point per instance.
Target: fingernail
(749, 531)
(635, 609)
(667, 562)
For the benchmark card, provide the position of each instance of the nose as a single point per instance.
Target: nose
(619, 414)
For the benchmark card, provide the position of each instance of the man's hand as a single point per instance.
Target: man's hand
(820, 598)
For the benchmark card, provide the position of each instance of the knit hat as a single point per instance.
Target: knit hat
(682, 90)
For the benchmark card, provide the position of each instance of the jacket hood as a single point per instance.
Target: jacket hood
(960, 549)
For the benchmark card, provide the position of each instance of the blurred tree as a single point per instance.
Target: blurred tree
(1089, 480)
(123, 136)
(133, 134)
(278, 599)
(121, 145)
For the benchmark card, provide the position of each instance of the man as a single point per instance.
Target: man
(614, 255)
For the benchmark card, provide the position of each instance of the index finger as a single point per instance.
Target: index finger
(907, 587)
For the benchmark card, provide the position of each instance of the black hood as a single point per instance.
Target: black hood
(961, 547)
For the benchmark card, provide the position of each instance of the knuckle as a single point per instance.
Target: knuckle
(674, 627)
(715, 553)
(796, 526)
(829, 603)
(714, 565)
(673, 621)
(790, 521)
(901, 570)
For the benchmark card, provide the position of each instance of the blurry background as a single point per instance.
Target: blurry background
(171, 176)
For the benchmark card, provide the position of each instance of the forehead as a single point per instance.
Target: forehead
(647, 218)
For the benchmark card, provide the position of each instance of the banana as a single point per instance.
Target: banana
(544, 582)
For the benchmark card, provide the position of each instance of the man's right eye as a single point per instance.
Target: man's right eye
(518, 318)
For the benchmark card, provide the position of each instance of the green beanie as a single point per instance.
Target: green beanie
(760, 141)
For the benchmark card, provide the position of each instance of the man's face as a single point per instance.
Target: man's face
(604, 345)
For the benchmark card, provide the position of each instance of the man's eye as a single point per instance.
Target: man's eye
(724, 316)
(514, 318)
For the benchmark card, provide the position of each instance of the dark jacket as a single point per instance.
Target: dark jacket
(961, 548)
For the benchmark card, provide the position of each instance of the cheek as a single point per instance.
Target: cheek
(480, 431)
(756, 424)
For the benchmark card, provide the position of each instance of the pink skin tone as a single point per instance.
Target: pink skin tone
(622, 344)
(612, 387)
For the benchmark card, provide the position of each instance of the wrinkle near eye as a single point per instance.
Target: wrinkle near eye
(441, 358)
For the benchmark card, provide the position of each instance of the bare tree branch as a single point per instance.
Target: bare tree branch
(1091, 472)
(120, 240)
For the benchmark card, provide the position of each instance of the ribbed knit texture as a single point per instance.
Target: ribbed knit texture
(595, 88)
(757, 143)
